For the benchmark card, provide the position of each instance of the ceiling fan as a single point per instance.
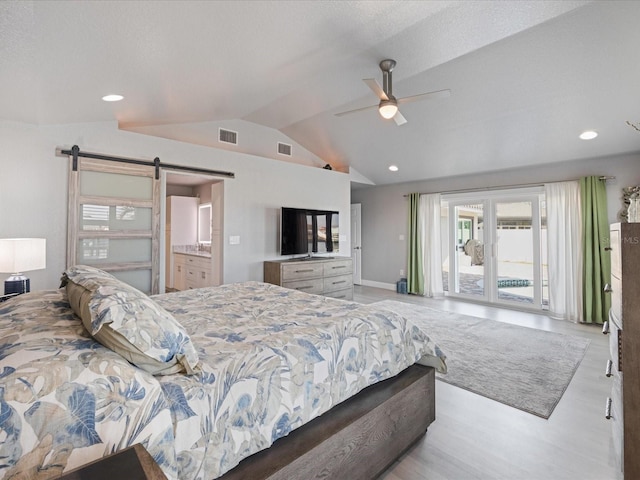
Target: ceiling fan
(388, 106)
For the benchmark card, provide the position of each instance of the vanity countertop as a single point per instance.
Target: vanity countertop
(191, 250)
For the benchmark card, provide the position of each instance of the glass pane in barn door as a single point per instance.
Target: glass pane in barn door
(106, 251)
(116, 185)
(114, 221)
(114, 218)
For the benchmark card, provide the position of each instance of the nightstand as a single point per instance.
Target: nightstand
(132, 463)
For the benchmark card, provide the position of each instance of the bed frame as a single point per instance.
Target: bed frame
(357, 439)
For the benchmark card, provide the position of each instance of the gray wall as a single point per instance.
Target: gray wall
(385, 209)
(33, 190)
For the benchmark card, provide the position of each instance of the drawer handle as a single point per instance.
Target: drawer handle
(609, 368)
(607, 409)
(607, 288)
(306, 287)
(339, 266)
(203, 275)
(304, 271)
(338, 283)
(605, 327)
(608, 249)
(179, 268)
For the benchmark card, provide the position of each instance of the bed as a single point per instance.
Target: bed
(240, 369)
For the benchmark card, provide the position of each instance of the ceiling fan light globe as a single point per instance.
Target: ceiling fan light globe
(388, 109)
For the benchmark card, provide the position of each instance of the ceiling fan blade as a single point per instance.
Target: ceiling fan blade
(399, 118)
(355, 110)
(377, 89)
(425, 96)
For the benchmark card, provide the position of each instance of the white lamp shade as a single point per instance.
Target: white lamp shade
(22, 254)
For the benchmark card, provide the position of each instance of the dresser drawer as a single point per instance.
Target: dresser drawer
(338, 283)
(616, 299)
(339, 267)
(614, 242)
(615, 344)
(297, 271)
(311, 285)
(617, 419)
(345, 294)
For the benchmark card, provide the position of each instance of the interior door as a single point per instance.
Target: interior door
(356, 245)
(114, 221)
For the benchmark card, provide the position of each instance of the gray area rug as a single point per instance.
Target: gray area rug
(522, 367)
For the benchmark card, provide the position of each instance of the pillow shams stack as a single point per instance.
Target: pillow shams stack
(128, 322)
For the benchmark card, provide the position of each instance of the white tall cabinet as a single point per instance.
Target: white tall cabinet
(182, 229)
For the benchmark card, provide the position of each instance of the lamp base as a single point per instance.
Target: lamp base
(17, 284)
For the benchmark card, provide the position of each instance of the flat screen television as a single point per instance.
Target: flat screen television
(306, 231)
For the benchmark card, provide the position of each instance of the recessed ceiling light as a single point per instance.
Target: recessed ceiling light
(588, 135)
(112, 98)
(393, 168)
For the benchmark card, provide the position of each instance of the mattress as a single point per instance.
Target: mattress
(271, 360)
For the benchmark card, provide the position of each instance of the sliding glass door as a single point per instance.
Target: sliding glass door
(465, 270)
(497, 247)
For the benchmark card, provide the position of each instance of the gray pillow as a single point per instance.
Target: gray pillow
(128, 322)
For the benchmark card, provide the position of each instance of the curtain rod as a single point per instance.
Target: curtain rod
(75, 152)
(500, 187)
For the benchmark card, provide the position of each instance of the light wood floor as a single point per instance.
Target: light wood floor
(477, 438)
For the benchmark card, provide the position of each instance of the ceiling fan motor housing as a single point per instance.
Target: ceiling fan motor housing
(387, 65)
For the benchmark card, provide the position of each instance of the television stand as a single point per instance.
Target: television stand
(328, 276)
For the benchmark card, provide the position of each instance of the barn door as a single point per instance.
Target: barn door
(113, 221)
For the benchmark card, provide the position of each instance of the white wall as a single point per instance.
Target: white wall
(33, 190)
(385, 209)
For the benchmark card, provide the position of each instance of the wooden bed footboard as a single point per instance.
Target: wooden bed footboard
(357, 439)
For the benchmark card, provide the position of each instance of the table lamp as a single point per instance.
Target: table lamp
(19, 255)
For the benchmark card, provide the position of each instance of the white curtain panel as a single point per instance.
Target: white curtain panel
(429, 230)
(564, 238)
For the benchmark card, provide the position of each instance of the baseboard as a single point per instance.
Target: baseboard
(386, 286)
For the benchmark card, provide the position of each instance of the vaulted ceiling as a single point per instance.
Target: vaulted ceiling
(526, 77)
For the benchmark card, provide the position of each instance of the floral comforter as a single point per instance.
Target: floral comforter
(272, 359)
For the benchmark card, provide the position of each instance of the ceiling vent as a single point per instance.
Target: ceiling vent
(284, 149)
(227, 136)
